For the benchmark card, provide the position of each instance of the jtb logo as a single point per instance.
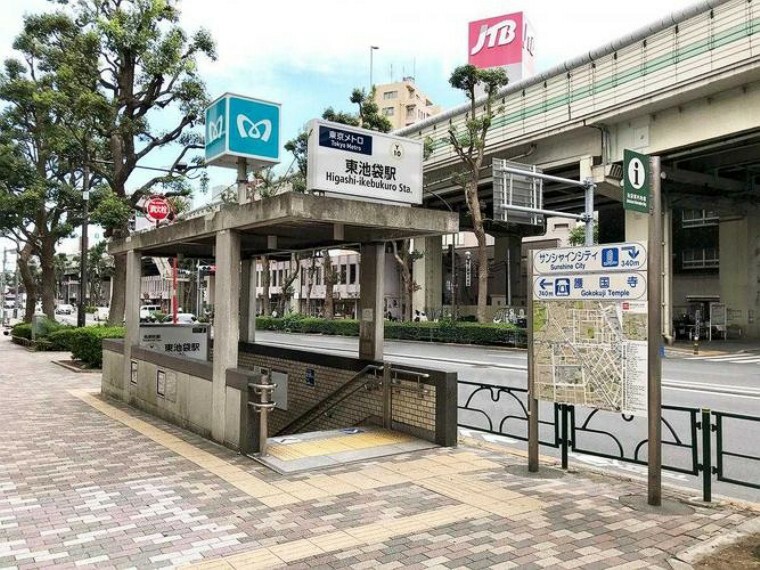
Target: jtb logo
(500, 34)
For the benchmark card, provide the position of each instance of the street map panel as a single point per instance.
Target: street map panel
(591, 353)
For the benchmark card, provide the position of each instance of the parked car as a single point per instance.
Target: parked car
(101, 313)
(64, 309)
(182, 319)
(146, 313)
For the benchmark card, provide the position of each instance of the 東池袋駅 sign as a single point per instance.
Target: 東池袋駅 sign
(363, 164)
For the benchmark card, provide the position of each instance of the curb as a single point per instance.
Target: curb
(694, 554)
(71, 368)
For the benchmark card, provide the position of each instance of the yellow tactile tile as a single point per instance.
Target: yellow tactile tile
(333, 445)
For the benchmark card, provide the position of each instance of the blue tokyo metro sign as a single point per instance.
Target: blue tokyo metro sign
(242, 127)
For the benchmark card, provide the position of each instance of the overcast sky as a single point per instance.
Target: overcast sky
(310, 54)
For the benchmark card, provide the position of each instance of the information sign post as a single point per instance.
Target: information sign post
(655, 334)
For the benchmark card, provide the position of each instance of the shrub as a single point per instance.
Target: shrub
(22, 330)
(62, 339)
(87, 343)
(443, 331)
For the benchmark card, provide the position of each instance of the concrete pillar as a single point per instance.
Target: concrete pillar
(226, 324)
(248, 301)
(506, 273)
(372, 286)
(131, 312)
(740, 270)
(428, 274)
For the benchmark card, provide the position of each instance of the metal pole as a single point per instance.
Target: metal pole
(371, 65)
(198, 302)
(532, 399)
(387, 396)
(589, 213)
(2, 288)
(654, 334)
(174, 290)
(454, 308)
(509, 276)
(16, 300)
(242, 180)
(81, 314)
(547, 177)
(263, 417)
(706, 456)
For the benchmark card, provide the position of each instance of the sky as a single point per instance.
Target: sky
(309, 55)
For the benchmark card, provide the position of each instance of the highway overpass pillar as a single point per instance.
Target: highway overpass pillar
(428, 274)
(739, 256)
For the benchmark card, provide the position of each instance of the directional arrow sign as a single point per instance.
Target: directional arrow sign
(628, 286)
(613, 257)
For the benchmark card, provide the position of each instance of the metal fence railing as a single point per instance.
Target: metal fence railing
(687, 434)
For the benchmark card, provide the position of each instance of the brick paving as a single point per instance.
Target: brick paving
(89, 482)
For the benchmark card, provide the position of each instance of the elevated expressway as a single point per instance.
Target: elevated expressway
(686, 88)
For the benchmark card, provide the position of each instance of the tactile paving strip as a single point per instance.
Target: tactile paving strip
(289, 450)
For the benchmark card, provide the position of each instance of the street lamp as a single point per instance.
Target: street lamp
(81, 307)
(371, 53)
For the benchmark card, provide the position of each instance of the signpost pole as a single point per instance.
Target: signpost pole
(532, 396)
(242, 180)
(589, 212)
(654, 335)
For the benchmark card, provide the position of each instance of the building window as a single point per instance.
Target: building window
(352, 274)
(343, 280)
(390, 95)
(701, 258)
(388, 111)
(699, 218)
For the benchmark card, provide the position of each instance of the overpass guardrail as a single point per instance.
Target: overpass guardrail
(698, 442)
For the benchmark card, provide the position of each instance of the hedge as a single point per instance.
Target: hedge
(443, 331)
(22, 330)
(87, 343)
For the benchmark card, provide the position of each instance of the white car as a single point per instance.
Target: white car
(182, 319)
(64, 309)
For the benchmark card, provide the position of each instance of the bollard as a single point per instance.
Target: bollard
(263, 390)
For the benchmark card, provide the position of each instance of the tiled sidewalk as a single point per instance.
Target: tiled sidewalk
(89, 482)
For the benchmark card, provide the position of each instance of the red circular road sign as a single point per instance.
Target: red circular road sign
(157, 209)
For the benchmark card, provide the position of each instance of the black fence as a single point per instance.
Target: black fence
(687, 433)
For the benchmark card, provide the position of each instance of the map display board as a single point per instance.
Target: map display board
(590, 345)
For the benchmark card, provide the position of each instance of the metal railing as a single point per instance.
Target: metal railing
(580, 430)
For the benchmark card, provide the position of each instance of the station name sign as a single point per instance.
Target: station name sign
(363, 164)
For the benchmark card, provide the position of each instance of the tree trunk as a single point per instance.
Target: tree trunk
(329, 284)
(266, 309)
(119, 290)
(477, 222)
(408, 284)
(27, 278)
(47, 264)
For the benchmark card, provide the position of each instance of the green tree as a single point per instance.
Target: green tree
(40, 162)
(469, 144)
(146, 68)
(578, 235)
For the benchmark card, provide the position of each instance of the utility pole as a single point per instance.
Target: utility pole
(2, 289)
(81, 314)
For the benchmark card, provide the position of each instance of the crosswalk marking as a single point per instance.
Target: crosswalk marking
(732, 358)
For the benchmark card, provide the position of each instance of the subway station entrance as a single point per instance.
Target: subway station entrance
(300, 408)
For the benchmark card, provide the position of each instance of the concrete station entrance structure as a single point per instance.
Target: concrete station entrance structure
(211, 396)
(685, 88)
